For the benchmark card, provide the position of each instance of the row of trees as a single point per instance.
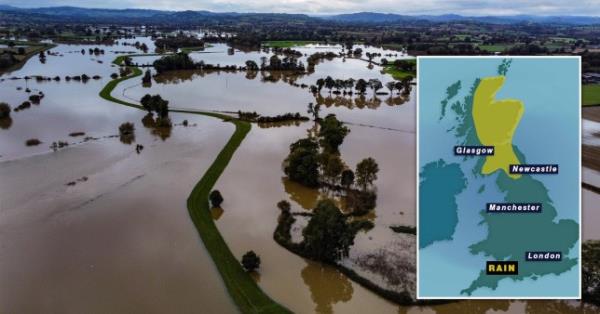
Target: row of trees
(176, 42)
(360, 85)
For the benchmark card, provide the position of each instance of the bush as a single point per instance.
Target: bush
(4, 110)
(216, 199)
(35, 98)
(284, 206)
(33, 142)
(250, 261)
(126, 128)
(23, 106)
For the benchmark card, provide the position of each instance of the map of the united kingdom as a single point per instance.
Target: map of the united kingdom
(499, 177)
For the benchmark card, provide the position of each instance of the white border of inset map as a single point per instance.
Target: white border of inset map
(419, 297)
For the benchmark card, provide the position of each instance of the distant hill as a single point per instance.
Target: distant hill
(147, 16)
(378, 18)
(68, 14)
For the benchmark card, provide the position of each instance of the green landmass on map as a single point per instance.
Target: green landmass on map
(510, 236)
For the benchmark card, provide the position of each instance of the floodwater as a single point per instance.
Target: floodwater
(121, 240)
(96, 227)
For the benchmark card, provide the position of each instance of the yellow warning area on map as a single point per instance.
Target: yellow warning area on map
(495, 123)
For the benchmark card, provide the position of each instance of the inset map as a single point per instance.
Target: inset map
(499, 177)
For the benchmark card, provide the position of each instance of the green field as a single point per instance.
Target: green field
(287, 43)
(246, 294)
(590, 94)
(396, 73)
(496, 48)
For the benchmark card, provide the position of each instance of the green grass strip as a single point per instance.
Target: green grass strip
(590, 94)
(246, 294)
(288, 43)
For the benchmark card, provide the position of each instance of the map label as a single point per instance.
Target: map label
(514, 207)
(543, 256)
(534, 169)
(502, 267)
(474, 150)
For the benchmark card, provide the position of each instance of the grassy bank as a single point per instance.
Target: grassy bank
(242, 288)
(108, 88)
(590, 94)
(246, 294)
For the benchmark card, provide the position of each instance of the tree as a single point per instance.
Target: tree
(301, 165)
(347, 178)
(126, 129)
(251, 65)
(406, 87)
(391, 85)
(329, 83)
(284, 206)
(328, 236)
(4, 110)
(250, 261)
(398, 85)
(127, 133)
(332, 166)
(320, 84)
(155, 103)
(314, 110)
(216, 199)
(332, 133)
(361, 86)
(147, 79)
(146, 102)
(375, 85)
(366, 172)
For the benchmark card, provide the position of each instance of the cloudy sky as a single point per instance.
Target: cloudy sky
(464, 7)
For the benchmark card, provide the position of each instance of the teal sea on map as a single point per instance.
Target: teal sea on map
(543, 128)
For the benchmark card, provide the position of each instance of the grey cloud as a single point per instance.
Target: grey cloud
(465, 7)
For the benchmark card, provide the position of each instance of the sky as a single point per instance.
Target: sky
(413, 7)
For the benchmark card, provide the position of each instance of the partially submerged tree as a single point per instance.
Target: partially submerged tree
(155, 103)
(216, 199)
(301, 165)
(328, 236)
(126, 129)
(4, 110)
(127, 132)
(147, 79)
(250, 261)
(347, 178)
(332, 133)
(366, 172)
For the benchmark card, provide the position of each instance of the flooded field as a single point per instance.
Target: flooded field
(120, 238)
(95, 226)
